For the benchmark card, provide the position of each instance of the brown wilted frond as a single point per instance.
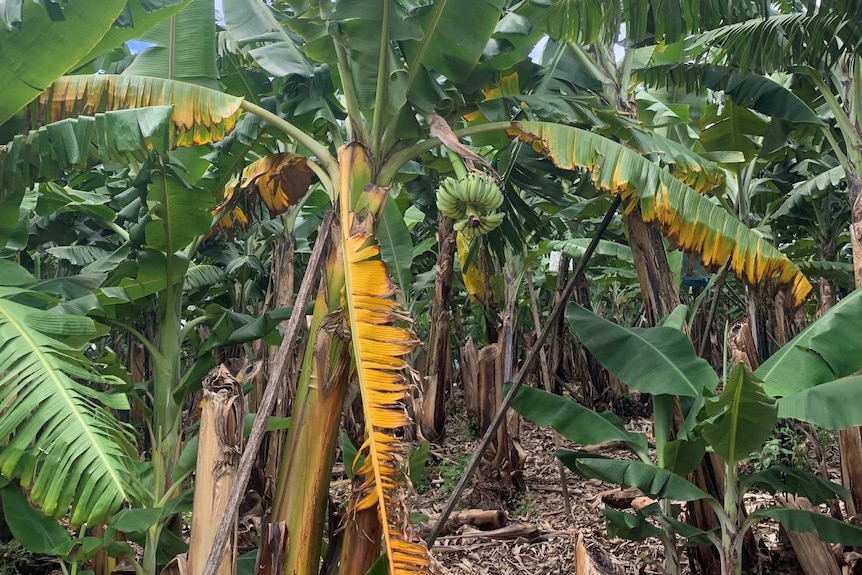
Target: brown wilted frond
(694, 221)
(379, 347)
(279, 180)
(200, 115)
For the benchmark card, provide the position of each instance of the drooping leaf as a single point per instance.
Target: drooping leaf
(651, 480)
(695, 222)
(808, 190)
(279, 180)
(73, 453)
(741, 418)
(749, 90)
(251, 22)
(629, 525)
(655, 20)
(824, 351)
(379, 345)
(200, 115)
(201, 275)
(48, 152)
(658, 360)
(576, 247)
(574, 421)
(778, 479)
(816, 38)
(36, 532)
(829, 405)
(825, 527)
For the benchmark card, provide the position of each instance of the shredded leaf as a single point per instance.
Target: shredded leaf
(380, 341)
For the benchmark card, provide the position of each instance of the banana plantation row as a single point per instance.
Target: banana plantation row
(275, 236)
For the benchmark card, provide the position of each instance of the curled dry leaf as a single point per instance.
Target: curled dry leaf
(279, 181)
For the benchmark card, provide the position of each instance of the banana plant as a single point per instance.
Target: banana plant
(395, 70)
(733, 424)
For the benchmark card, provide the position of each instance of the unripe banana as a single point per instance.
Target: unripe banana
(448, 201)
(472, 196)
(491, 222)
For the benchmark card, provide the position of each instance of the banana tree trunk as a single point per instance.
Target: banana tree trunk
(219, 450)
(283, 296)
(439, 363)
(303, 483)
(850, 440)
(361, 543)
(827, 252)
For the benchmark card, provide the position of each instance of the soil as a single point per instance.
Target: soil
(546, 535)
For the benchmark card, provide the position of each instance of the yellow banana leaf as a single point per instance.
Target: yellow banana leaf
(380, 342)
(695, 222)
(200, 115)
(472, 275)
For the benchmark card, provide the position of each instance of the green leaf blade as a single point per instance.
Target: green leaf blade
(658, 360)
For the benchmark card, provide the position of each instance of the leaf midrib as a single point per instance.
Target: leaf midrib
(55, 378)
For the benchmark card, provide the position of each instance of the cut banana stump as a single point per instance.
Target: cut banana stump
(469, 201)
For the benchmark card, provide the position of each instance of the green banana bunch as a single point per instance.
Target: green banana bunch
(476, 193)
(474, 226)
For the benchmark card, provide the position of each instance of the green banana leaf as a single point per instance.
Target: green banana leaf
(745, 89)
(37, 50)
(140, 16)
(184, 47)
(741, 418)
(651, 480)
(396, 247)
(629, 525)
(32, 529)
(69, 450)
(75, 143)
(824, 351)
(825, 527)
(830, 405)
(252, 23)
(658, 360)
(452, 44)
(778, 479)
(179, 215)
(574, 421)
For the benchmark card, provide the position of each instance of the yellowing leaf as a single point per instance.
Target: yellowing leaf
(471, 274)
(200, 115)
(697, 224)
(380, 341)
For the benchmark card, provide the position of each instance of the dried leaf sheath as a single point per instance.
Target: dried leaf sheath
(379, 348)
